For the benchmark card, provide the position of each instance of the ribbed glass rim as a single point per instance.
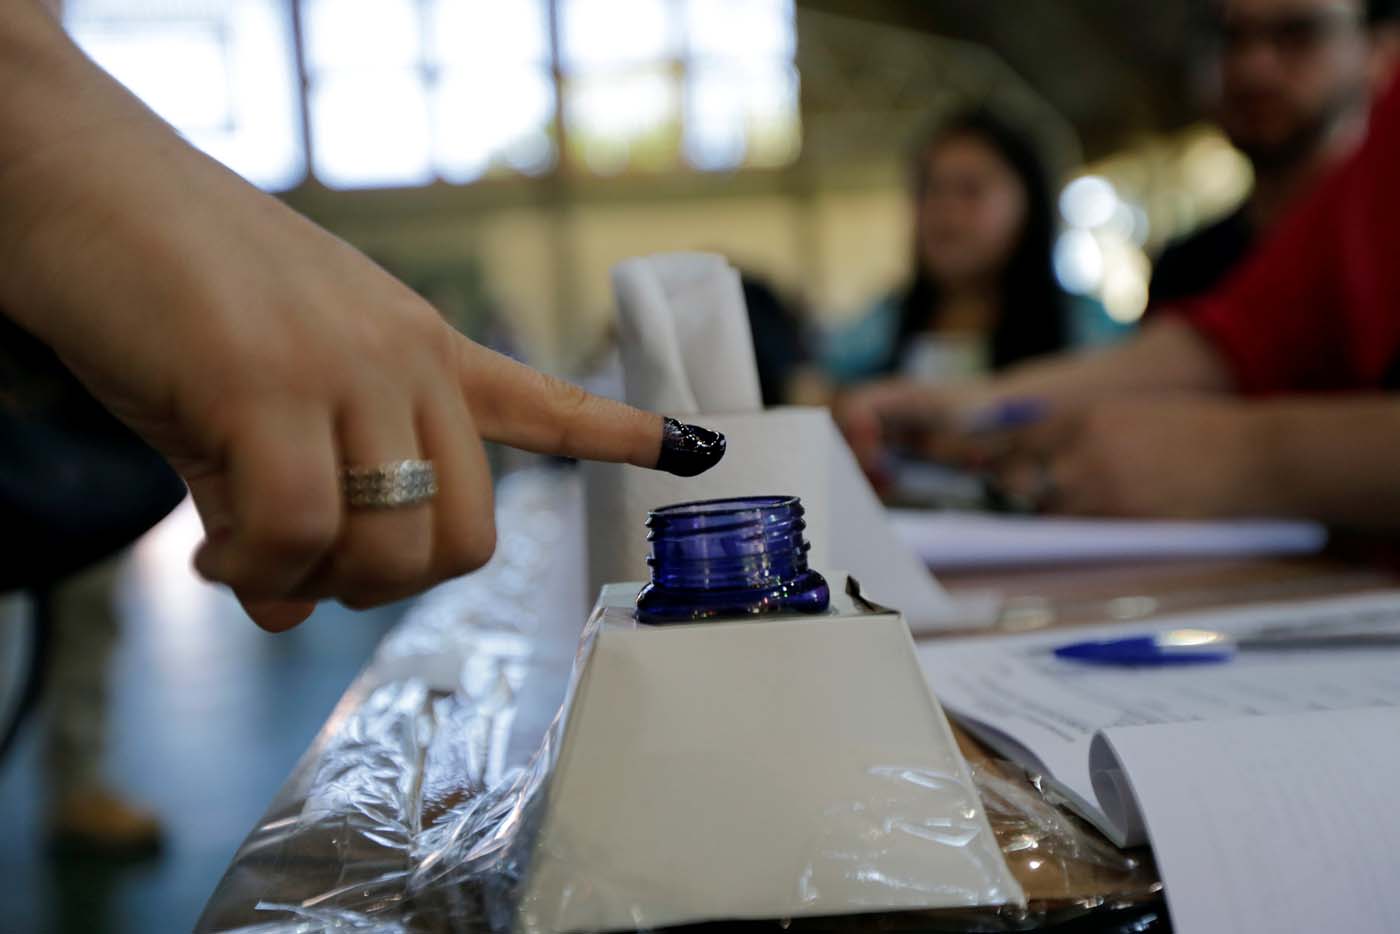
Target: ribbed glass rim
(707, 512)
(725, 557)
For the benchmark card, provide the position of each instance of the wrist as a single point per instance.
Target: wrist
(60, 117)
(68, 185)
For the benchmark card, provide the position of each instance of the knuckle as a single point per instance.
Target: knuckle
(468, 550)
(298, 527)
(568, 397)
(573, 404)
(417, 327)
(440, 342)
(376, 565)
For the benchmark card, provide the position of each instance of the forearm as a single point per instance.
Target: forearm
(1333, 460)
(1167, 356)
(70, 137)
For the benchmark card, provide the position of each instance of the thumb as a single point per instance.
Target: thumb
(517, 405)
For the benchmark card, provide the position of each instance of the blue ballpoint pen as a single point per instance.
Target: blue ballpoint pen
(1205, 646)
(1008, 415)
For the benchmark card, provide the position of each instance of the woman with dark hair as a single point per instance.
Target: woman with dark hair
(984, 294)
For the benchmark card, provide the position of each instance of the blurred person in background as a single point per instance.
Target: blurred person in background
(76, 488)
(984, 294)
(779, 339)
(86, 814)
(1278, 393)
(1296, 81)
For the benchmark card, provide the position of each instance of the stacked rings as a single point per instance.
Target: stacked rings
(387, 486)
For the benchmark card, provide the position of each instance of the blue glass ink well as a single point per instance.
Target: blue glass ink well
(729, 557)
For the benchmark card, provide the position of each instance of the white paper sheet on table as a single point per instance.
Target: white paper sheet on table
(1270, 825)
(961, 540)
(1135, 750)
(1044, 711)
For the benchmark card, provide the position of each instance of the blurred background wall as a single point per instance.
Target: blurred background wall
(500, 156)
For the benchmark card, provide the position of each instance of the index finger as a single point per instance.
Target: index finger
(518, 405)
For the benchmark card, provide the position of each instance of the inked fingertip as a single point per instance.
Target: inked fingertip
(689, 450)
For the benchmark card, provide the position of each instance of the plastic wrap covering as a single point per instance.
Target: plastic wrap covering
(416, 808)
(792, 768)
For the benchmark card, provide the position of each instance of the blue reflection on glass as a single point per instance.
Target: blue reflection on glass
(733, 557)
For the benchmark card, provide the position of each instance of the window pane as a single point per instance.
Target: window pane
(501, 117)
(222, 72)
(617, 121)
(758, 29)
(361, 33)
(146, 57)
(370, 129)
(490, 33)
(607, 33)
(741, 114)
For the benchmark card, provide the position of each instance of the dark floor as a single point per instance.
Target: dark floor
(209, 714)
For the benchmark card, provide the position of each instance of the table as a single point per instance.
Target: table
(446, 719)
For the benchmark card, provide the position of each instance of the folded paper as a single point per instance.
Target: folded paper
(683, 334)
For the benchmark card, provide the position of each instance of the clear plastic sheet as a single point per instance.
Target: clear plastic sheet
(415, 809)
(689, 788)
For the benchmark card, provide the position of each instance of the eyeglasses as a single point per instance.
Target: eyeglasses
(1292, 35)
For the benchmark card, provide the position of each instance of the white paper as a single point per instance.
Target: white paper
(957, 540)
(760, 770)
(1276, 825)
(683, 334)
(1044, 711)
(790, 452)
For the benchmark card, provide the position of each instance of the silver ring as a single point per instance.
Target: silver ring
(389, 486)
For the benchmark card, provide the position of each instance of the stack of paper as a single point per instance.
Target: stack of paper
(1266, 784)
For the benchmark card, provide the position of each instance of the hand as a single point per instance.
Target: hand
(912, 415)
(261, 355)
(1150, 458)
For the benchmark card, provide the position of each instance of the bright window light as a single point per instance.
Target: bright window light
(409, 92)
(741, 84)
(614, 121)
(506, 116)
(743, 29)
(488, 34)
(371, 129)
(344, 34)
(606, 34)
(222, 72)
(741, 114)
(716, 128)
(146, 58)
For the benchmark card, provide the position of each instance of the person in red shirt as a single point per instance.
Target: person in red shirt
(1296, 82)
(1270, 396)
